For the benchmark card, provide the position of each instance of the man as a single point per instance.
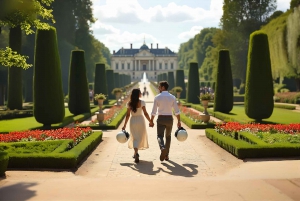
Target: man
(163, 104)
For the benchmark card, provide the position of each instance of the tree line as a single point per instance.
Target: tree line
(72, 20)
(241, 18)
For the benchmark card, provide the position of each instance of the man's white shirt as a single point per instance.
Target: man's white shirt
(164, 103)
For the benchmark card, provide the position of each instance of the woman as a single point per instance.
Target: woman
(139, 138)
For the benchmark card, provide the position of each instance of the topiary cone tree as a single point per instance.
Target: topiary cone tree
(48, 94)
(100, 84)
(179, 81)
(79, 101)
(15, 95)
(171, 80)
(110, 80)
(117, 81)
(223, 101)
(193, 84)
(259, 92)
(164, 77)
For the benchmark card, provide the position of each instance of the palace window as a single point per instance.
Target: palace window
(171, 65)
(128, 66)
(122, 66)
(117, 66)
(166, 65)
(160, 65)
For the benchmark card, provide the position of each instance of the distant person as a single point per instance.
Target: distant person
(136, 108)
(164, 103)
(91, 94)
(147, 93)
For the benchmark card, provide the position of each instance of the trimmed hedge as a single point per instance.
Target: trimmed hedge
(191, 124)
(116, 79)
(259, 94)
(193, 84)
(55, 160)
(171, 80)
(15, 80)
(223, 100)
(283, 106)
(100, 85)
(110, 81)
(79, 101)
(113, 125)
(3, 162)
(48, 94)
(180, 82)
(238, 98)
(248, 146)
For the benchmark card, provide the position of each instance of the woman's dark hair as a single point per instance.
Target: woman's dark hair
(134, 99)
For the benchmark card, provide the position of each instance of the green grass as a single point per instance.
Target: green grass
(279, 116)
(29, 123)
(33, 147)
(278, 138)
(246, 145)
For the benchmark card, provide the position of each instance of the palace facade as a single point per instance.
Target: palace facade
(151, 61)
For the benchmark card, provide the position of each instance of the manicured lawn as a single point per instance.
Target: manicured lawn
(279, 116)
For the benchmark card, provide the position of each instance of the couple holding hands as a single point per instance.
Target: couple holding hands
(163, 105)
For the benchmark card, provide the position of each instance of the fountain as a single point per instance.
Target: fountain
(144, 79)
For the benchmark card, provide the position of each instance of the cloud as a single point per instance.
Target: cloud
(102, 29)
(191, 33)
(118, 40)
(131, 12)
(283, 5)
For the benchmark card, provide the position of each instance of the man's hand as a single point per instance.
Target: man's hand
(151, 124)
(179, 124)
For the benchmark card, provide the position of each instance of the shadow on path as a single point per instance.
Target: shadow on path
(178, 170)
(17, 192)
(143, 167)
(146, 167)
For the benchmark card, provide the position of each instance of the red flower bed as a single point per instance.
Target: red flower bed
(77, 134)
(232, 127)
(190, 113)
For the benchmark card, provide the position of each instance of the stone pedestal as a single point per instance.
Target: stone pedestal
(100, 117)
(205, 116)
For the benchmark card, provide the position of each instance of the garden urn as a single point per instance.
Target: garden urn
(100, 116)
(100, 104)
(205, 117)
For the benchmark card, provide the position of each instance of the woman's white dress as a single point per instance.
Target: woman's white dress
(138, 133)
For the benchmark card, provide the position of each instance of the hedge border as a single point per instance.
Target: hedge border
(191, 124)
(3, 162)
(254, 148)
(66, 160)
(113, 125)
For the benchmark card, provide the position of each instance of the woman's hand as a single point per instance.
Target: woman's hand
(123, 128)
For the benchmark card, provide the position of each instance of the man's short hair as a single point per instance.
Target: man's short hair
(164, 84)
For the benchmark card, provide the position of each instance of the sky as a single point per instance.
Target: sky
(166, 22)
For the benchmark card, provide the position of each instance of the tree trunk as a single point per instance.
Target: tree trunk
(15, 96)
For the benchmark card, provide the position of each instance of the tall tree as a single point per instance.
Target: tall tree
(223, 101)
(293, 45)
(48, 94)
(241, 18)
(27, 15)
(259, 94)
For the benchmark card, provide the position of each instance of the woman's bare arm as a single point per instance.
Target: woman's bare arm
(126, 118)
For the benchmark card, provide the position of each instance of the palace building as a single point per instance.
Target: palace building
(151, 61)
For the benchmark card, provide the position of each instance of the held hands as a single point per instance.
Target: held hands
(123, 128)
(151, 124)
